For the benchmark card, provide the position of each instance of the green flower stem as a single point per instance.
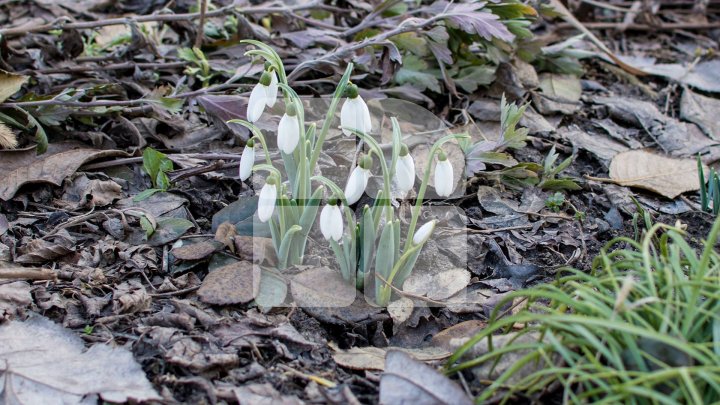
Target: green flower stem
(330, 115)
(375, 147)
(398, 265)
(257, 134)
(267, 167)
(423, 185)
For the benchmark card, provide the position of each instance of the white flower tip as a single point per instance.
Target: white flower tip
(331, 222)
(266, 201)
(423, 234)
(444, 178)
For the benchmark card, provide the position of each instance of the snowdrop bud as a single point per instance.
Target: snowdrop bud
(422, 234)
(354, 113)
(288, 130)
(358, 180)
(444, 183)
(266, 201)
(247, 160)
(259, 97)
(331, 221)
(405, 171)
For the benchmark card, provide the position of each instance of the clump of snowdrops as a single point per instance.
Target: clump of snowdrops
(370, 244)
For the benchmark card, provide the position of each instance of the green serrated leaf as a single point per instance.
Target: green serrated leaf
(470, 78)
(415, 71)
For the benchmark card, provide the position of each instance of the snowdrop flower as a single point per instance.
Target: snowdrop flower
(405, 171)
(263, 94)
(358, 180)
(444, 184)
(289, 130)
(247, 160)
(331, 221)
(354, 113)
(422, 234)
(266, 202)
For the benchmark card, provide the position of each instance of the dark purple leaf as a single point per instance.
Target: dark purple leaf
(466, 17)
(225, 108)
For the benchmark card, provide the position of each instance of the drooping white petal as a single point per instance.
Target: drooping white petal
(405, 173)
(256, 103)
(288, 133)
(247, 160)
(366, 115)
(331, 222)
(424, 232)
(272, 90)
(266, 202)
(356, 184)
(355, 115)
(444, 183)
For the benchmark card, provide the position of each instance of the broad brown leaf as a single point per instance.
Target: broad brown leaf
(24, 166)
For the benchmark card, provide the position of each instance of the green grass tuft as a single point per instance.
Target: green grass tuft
(642, 328)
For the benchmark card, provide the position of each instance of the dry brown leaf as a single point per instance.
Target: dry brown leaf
(24, 166)
(225, 234)
(14, 298)
(84, 192)
(321, 287)
(10, 83)
(666, 176)
(400, 310)
(255, 249)
(373, 358)
(196, 251)
(236, 283)
(41, 250)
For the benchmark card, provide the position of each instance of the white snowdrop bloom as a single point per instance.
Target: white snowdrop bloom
(444, 183)
(288, 130)
(261, 95)
(247, 160)
(355, 113)
(331, 221)
(358, 180)
(405, 171)
(266, 201)
(272, 90)
(422, 234)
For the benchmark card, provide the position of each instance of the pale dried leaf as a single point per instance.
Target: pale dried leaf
(407, 381)
(10, 83)
(50, 365)
(373, 358)
(437, 285)
(666, 176)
